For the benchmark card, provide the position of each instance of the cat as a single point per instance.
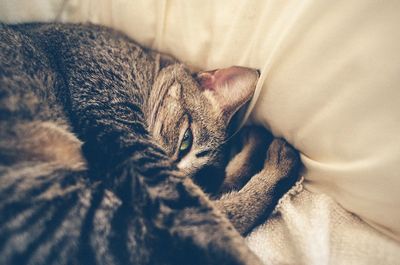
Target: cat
(191, 121)
(83, 177)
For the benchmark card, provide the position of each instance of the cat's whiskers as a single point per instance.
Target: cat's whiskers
(227, 140)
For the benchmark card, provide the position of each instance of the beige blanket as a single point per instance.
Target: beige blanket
(312, 229)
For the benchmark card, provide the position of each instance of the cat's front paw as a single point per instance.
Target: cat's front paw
(283, 159)
(252, 143)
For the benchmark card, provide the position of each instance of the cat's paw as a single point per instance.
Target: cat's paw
(252, 143)
(283, 159)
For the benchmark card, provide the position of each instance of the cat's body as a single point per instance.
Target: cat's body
(82, 181)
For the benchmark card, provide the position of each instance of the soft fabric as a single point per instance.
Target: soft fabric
(311, 229)
(329, 85)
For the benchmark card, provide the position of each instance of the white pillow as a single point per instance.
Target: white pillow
(330, 82)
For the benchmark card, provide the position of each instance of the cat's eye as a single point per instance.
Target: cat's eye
(186, 143)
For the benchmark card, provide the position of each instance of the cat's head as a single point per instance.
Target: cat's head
(188, 114)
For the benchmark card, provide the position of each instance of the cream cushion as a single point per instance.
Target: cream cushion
(330, 80)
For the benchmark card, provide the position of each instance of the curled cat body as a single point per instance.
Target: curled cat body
(88, 175)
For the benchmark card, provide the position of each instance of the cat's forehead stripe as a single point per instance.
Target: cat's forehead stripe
(157, 96)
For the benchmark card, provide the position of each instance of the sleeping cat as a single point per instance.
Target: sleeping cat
(191, 121)
(84, 177)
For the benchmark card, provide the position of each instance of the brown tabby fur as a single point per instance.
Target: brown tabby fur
(86, 174)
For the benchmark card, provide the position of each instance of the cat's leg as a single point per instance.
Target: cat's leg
(253, 141)
(256, 200)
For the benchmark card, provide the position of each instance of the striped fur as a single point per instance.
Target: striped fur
(81, 180)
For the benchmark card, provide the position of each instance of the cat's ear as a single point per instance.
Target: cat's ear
(230, 88)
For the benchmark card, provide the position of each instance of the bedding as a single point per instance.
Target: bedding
(329, 86)
(312, 229)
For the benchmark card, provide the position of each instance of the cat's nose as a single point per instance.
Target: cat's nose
(258, 72)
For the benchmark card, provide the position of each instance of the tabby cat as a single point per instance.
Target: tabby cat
(190, 118)
(87, 173)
